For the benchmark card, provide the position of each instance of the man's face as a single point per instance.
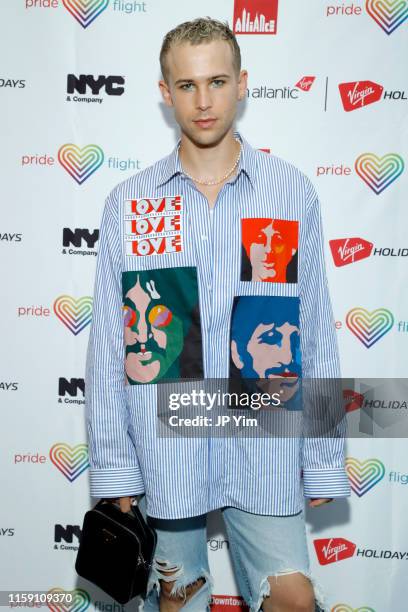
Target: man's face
(152, 332)
(204, 88)
(265, 343)
(270, 244)
(272, 352)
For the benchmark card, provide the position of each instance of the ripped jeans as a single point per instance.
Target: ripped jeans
(260, 546)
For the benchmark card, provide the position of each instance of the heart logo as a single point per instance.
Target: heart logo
(80, 600)
(389, 14)
(345, 608)
(74, 314)
(369, 327)
(80, 163)
(70, 460)
(85, 11)
(364, 475)
(379, 172)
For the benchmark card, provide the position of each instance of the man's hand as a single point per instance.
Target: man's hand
(125, 503)
(315, 502)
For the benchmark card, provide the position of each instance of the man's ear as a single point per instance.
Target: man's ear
(235, 356)
(165, 92)
(242, 84)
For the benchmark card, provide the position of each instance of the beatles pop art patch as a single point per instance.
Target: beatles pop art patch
(162, 330)
(153, 226)
(269, 250)
(265, 342)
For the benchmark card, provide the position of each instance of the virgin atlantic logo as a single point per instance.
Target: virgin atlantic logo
(331, 550)
(305, 83)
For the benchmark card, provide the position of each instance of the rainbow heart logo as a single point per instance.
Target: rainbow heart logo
(80, 163)
(79, 603)
(74, 314)
(369, 327)
(70, 460)
(364, 475)
(379, 172)
(345, 608)
(388, 14)
(85, 11)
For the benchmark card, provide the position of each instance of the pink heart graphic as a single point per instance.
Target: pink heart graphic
(85, 11)
(74, 314)
(364, 475)
(80, 163)
(61, 600)
(367, 326)
(70, 460)
(388, 14)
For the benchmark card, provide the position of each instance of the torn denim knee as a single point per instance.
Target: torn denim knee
(265, 589)
(181, 581)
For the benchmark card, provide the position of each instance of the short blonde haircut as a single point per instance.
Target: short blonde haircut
(197, 32)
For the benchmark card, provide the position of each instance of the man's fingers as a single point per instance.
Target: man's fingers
(125, 504)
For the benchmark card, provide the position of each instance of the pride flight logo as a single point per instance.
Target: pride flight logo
(80, 163)
(388, 14)
(364, 475)
(379, 172)
(74, 314)
(369, 327)
(70, 460)
(85, 11)
(79, 603)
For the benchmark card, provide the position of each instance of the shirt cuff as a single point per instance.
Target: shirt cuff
(329, 482)
(116, 482)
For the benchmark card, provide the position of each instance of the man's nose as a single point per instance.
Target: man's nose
(203, 98)
(285, 354)
(142, 332)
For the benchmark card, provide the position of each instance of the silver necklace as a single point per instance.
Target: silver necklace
(226, 175)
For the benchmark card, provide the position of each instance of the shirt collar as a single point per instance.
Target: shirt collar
(247, 163)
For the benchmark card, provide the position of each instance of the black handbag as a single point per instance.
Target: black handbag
(116, 550)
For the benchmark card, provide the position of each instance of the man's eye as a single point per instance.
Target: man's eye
(186, 86)
(218, 82)
(261, 239)
(129, 316)
(160, 316)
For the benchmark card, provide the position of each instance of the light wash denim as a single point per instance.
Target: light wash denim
(260, 546)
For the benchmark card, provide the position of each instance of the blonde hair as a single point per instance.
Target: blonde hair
(197, 32)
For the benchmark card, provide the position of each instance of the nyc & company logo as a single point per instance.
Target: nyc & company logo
(70, 460)
(74, 314)
(80, 163)
(388, 14)
(364, 475)
(379, 172)
(369, 327)
(85, 11)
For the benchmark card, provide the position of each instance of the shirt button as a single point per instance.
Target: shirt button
(204, 238)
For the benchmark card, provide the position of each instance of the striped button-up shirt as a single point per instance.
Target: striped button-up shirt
(178, 296)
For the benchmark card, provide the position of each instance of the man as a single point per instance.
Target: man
(169, 271)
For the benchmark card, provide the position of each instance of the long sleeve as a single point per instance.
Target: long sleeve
(114, 470)
(323, 450)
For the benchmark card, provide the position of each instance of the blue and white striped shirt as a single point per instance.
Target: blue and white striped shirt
(197, 277)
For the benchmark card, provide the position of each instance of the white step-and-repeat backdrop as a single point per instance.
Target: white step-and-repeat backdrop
(80, 111)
